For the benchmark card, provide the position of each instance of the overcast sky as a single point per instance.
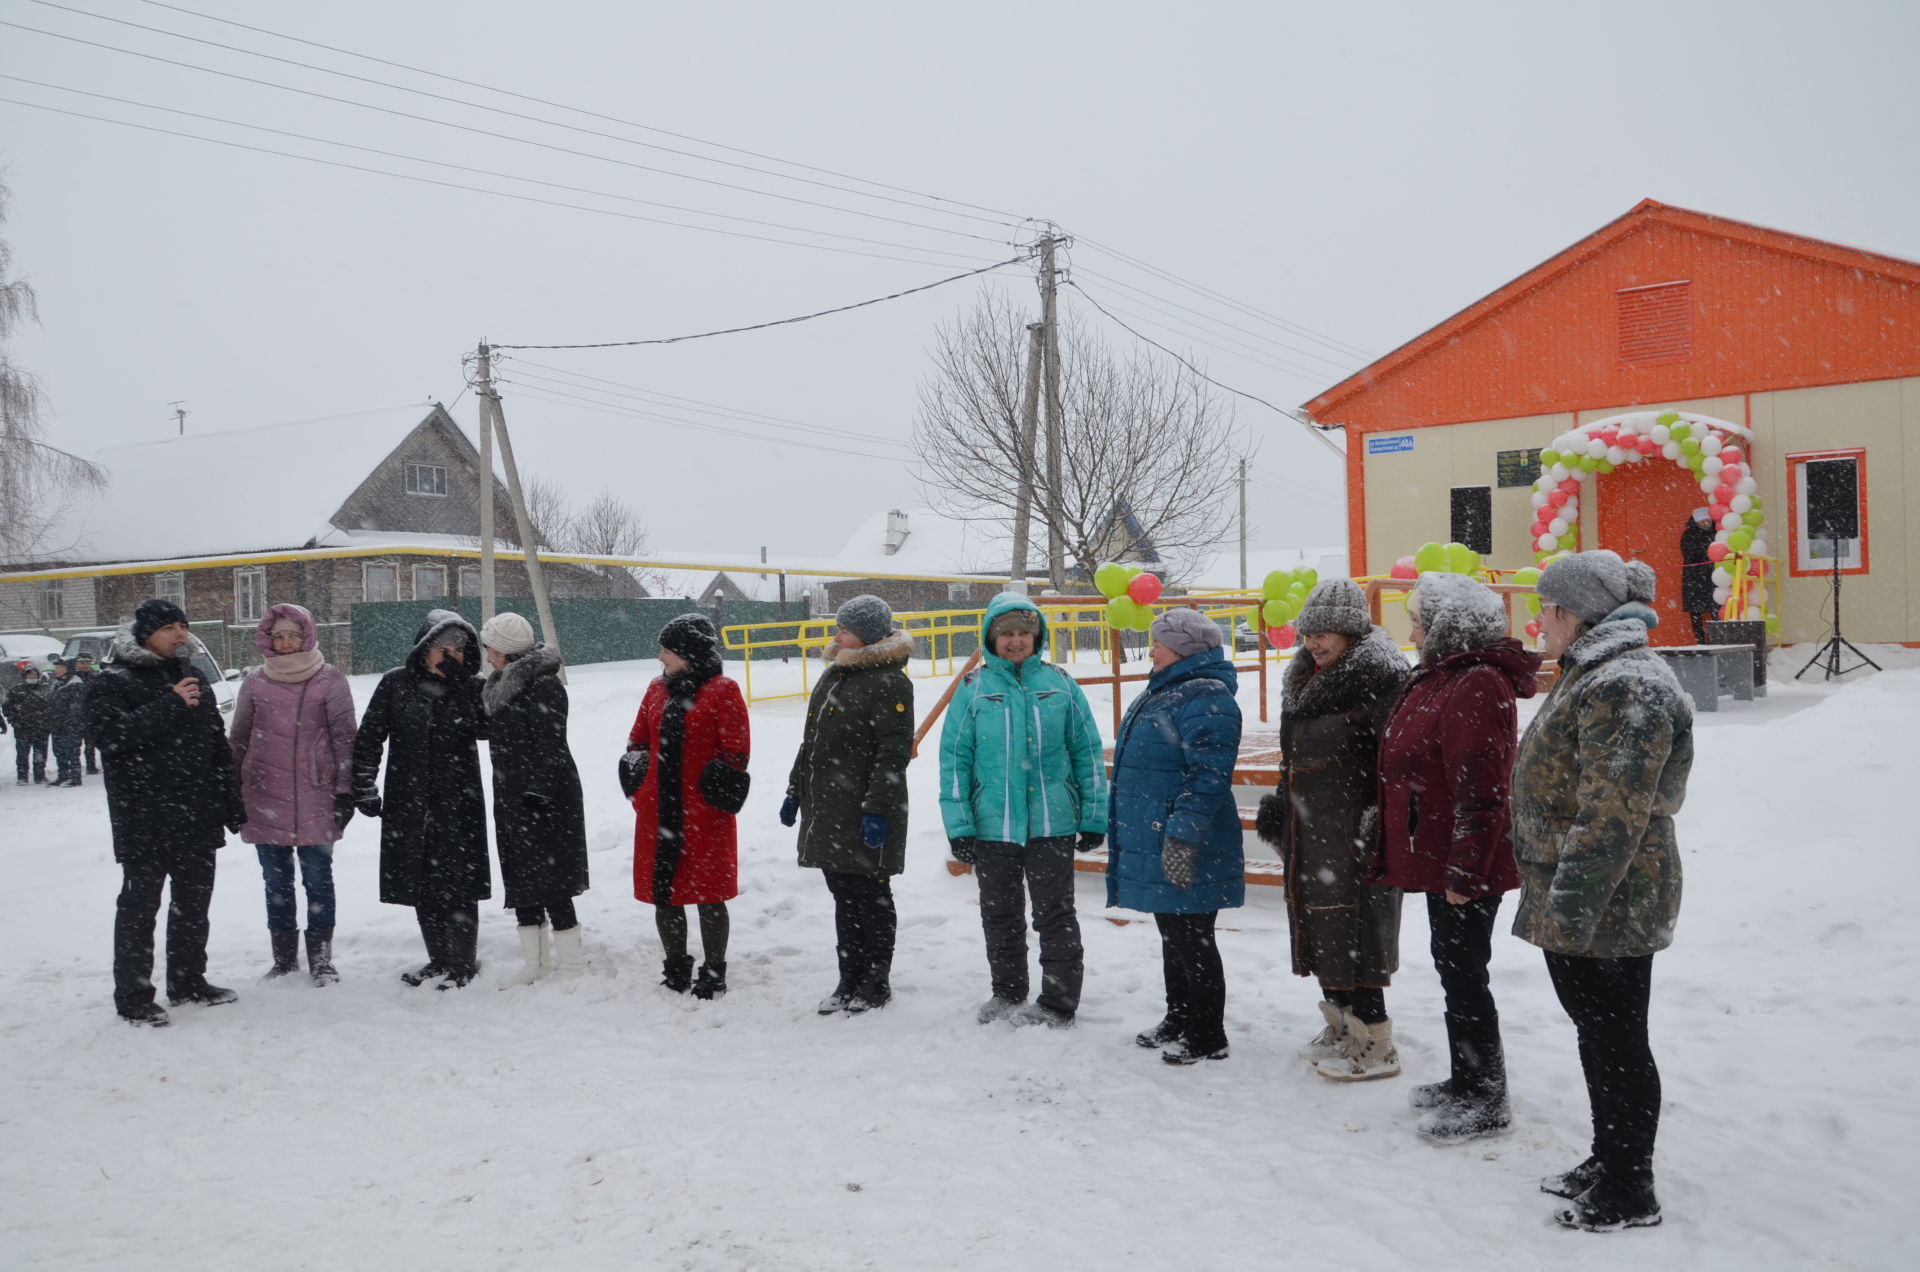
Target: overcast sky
(1345, 174)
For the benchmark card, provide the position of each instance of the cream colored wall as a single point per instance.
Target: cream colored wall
(1884, 417)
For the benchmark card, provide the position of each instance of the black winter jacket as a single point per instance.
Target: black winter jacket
(28, 707)
(539, 821)
(68, 718)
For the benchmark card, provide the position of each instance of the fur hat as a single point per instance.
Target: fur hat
(154, 614)
(691, 636)
(868, 617)
(1186, 632)
(508, 632)
(1457, 613)
(1595, 584)
(1337, 606)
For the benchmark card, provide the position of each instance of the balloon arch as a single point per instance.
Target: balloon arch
(1717, 452)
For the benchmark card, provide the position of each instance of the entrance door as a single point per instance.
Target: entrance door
(1642, 510)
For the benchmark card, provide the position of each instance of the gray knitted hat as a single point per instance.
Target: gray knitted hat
(1337, 606)
(1186, 632)
(868, 617)
(1595, 584)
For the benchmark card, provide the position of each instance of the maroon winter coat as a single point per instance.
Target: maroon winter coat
(292, 746)
(1446, 763)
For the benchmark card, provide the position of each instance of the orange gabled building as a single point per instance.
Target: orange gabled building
(1811, 346)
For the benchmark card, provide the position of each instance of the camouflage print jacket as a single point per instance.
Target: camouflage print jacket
(1600, 773)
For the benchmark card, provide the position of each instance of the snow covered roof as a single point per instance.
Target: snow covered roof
(928, 543)
(1222, 572)
(244, 490)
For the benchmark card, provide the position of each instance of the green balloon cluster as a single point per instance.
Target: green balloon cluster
(1112, 579)
(1530, 575)
(1285, 591)
(1128, 615)
(1445, 558)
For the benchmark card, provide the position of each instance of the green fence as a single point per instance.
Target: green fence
(589, 629)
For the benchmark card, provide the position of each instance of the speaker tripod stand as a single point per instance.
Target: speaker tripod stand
(1829, 654)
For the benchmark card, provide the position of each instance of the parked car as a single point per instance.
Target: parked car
(18, 650)
(226, 684)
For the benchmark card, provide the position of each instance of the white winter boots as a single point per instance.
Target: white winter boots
(1366, 1052)
(548, 953)
(1329, 1042)
(570, 961)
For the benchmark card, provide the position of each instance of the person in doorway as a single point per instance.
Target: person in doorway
(171, 798)
(1022, 787)
(292, 741)
(433, 833)
(1446, 759)
(1696, 572)
(1600, 773)
(67, 722)
(848, 790)
(83, 668)
(685, 771)
(1176, 848)
(539, 813)
(28, 706)
(1323, 820)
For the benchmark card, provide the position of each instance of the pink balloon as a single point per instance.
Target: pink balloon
(1570, 487)
(1732, 454)
(1404, 568)
(1281, 637)
(1731, 473)
(1558, 498)
(1717, 551)
(1144, 589)
(1718, 509)
(1647, 446)
(1722, 494)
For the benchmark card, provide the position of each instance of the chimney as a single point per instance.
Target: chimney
(896, 530)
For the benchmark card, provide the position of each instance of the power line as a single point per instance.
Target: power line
(556, 398)
(1008, 217)
(778, 322)
(487, 172)
(1249, 310)
(483, 132)
(1238, 350)
(1344, 368)
(455, 185)
(752, 416)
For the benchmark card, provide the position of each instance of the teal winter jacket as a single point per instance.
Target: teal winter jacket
(1020, 755)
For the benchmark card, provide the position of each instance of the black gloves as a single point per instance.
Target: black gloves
(789, 809)
(724, 786)
(342, 811)
(1270, 823)
(1089, 840)
(368, 804)
(964, 849)
(1177, 860)
(633, 771)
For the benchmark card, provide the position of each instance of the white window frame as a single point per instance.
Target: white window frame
(419, 595)
(959, 593)
(171, 586)
(53, 601)
(469, 580)
(249, 584)
(426, 479)
(366, 570)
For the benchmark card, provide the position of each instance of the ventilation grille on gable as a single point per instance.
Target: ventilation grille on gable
(1655, 323)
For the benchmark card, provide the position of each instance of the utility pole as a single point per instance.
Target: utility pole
(1029, 425)
(490, 404)
(1050, 318)
(180, 414)
(1243, 523)
(484, 386)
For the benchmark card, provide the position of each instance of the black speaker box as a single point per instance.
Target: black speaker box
(1833, 499)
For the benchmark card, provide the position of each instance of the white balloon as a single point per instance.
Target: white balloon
(1557, 527)
(1539, 498)
(1708, 485)
(1660, 434)
(1732, 521)
(1547, 542)
(1712, 465)
(1720, 576)
(1710, 444)
(1741, 503)
(1596, 449)
(1746, 486)
(1720, 595)
(1759, 548)
(1615, 456)
(1670, 449)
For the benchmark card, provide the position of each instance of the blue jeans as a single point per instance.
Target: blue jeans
(316, 873)
(66, 757)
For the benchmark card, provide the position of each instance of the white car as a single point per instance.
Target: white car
(226, 684)
(19, 650)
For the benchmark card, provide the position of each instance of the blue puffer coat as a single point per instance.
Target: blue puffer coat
(1019, 751)
(1172, 779)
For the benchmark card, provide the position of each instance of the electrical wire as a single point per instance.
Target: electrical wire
(500, 194)
(487, 172)
(1239, 351)
(715, 407)
(1344, 368)
(778, 322)
(484, 132)
(1008, 218)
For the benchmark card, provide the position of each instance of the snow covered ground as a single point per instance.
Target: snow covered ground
(609, 1124)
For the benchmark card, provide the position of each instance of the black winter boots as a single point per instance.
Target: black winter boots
(320, 956)
(676, 973)
(712, 981)
(286, 953)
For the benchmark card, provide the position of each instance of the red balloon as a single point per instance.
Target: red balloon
(1717, 551)
(1281, 637)
(1570, 487)
(1533, 628)
(1732, 454)
(1732, 473)
(1144, 589)
(1718, 509)
(1405, 569)
(1610, 437)
(1647, 446)
(1723, 494)
(1558, 498)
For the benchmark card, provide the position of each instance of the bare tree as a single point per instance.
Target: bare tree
(37, 480)
(548, 511)
(609, 526)
(1148, 453)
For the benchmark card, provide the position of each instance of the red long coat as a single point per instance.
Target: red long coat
(1446, 766)
(714, 729)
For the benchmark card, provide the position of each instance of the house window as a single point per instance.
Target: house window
(426, 479)
(429, 582)
(249, 593)
(1472, 522)
(1654, 324)
(959, 593)
(171, 586)
(469, 580)
(1827, 511)
(380, 582)
(53, 604)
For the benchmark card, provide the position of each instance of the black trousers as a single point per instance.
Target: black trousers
(558, 914)
(1607, 1000)
(451, 935)
(1007, 874)
(141, 880)
(93, 756)
(864, 925)
(1462, 945)
(34, 746)
(1196, 981)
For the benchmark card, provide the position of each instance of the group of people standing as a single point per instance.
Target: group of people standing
(1391, 781)
(43, 713)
